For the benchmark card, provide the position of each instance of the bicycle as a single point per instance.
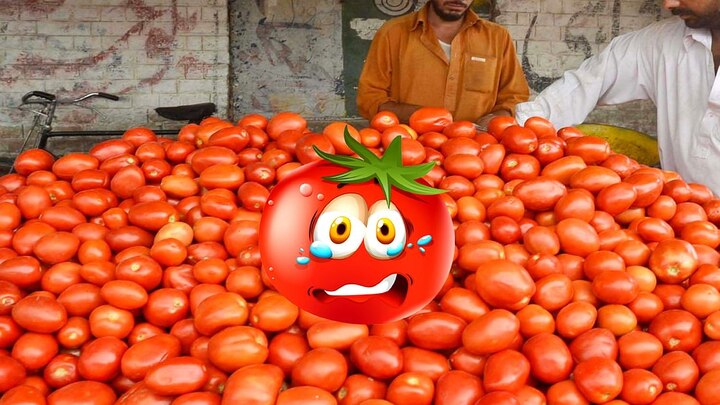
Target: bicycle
(41, 129)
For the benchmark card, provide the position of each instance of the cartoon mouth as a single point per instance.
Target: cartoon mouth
(391, 289)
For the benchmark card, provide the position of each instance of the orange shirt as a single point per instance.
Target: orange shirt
(406, 64)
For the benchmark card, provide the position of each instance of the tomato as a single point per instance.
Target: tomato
(358, 388)
(701, 300)
(640, 386)
(176, 376)
(40, 314)
(377, 357)
(140, 357)
(598, 379)
(503, 284)
(411, 388)
(236, 347)
(83, 392)
(61, 371)
(23, 394)
(100, 359)
(591, 149)
(593, 178)
(323, 368)
(540, 194)
(507, 370)
(12, 373)
(341, 308)
(677, 371)
(458, 387)
(575, 319)
(427, 119)
(284, 121)
(463, 303)
(219, 311)
(549, 357)
(492, 332)
(615, 287)
(335, 133)
(334, 335)
(677, 330)
(395, 331)
(707, 389)
(707, 356)
(306, 395)
(436, 331)
(639, 350)
(261, 382)
(198, 398)
(497, 125)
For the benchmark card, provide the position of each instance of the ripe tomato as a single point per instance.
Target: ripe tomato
(236, 347)
(326, 198)
(140, 357)
(358, 388)
(377, 356)
(677, 371)
(599, 379)
(335, 335)
(323, 368)
(640, 386)
(426, 119)
(261, 382)
(83, 392)
(504, 284)
(507, 370)
(41, 314)
(411, 388)
(177, 376)
(492, 332)
(549, 357)
(458, 387)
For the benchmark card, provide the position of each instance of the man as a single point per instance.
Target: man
(443, 55)
(674, 63)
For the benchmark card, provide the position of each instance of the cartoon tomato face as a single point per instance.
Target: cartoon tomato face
(340, 251)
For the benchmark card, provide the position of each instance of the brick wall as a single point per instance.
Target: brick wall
(149, 52)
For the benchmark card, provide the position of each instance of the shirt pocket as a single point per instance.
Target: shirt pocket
(479, 74)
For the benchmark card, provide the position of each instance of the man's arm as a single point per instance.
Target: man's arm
(616, 75)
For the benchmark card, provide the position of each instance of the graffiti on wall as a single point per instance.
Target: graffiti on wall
(580, 43)
(284, 57)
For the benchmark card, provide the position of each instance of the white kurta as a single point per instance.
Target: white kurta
(665, 62)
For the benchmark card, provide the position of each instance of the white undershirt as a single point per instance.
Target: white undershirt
(666, 62)
(445, 47)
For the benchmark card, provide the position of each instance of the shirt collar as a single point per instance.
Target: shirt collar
(700, 35)
(421, 20)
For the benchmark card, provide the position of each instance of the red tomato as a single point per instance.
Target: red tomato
(599, 380)
(40, 314)
(504, 284)
(677, 371)
(492, 332)
(549, 357)
(411, 388)
(377, 356)
(142, 356)
(261, 382)
(362, 309)
(322, 368)
(507, 370)
(427, 119)
(177, 376)
(83, 392)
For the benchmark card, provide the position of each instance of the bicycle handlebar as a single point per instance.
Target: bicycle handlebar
(52, 98)
(41, 94)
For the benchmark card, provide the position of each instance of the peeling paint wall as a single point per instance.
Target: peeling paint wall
(150, 53)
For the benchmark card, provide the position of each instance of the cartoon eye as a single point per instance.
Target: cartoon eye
(340, 228)
(385, 231)
(388, 238)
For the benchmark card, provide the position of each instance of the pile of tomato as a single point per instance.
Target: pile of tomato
(132, 273)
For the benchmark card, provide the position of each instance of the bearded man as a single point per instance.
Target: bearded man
(673, 62)
(443, 55)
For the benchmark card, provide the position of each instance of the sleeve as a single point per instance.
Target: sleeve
(512, 87)
(375, 78)
(616, 75)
